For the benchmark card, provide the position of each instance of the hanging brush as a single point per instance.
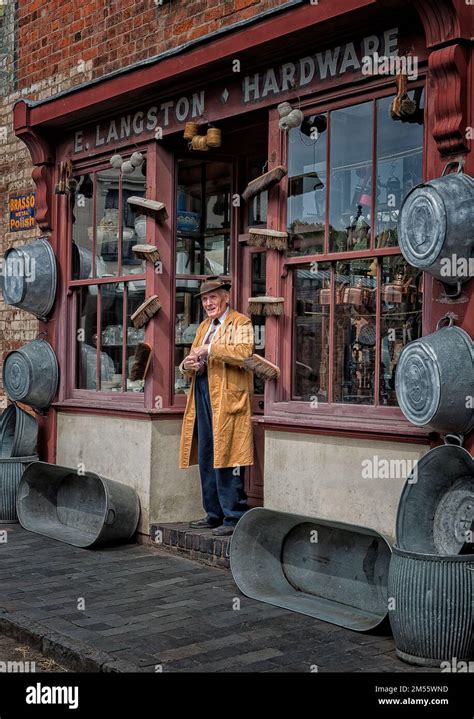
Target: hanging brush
(402, 105)
(146, 252)
(141, 362)
(264, 182)
(265, 306)
(265, 237)
(144, 206)
(146, 311)
(262, 367)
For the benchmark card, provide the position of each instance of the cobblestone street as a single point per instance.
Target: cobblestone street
(146, 610)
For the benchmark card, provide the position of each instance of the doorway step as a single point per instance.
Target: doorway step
(197, 544)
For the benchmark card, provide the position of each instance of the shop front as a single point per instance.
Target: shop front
(330, 439)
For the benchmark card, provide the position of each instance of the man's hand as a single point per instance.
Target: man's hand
(191, 362)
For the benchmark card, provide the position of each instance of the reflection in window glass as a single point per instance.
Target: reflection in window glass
(87, 337)
(203, 212)
(134, 223)
(350, 213)
(107, 220)
(399, 168)
(82, 228)
(354, 332)
(311, 345)
(189, 315)
(401, 317)
(307, 189)
(258, 321)
(257, 206)
(111, 338)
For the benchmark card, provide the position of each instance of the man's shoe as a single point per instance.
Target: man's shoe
(203, 523)
(223, 531)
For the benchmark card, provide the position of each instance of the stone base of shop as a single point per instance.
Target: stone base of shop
(197, 544)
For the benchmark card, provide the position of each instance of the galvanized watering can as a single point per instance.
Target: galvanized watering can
(30, 278)
(328, 570)
(436, 227)
(31, 374)
(434, 380)
(82, 510)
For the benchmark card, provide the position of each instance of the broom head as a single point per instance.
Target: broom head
(262, 367)
(146, 311)
(264, 182)
(141, 362)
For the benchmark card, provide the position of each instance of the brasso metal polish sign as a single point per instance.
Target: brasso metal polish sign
(254, 89)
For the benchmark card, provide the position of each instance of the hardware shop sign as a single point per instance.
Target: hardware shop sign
(241, 90)
(22, 211)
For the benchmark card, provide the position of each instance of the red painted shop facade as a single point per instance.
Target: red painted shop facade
(350, 164)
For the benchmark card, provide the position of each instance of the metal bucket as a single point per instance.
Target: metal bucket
(82, 510)
(11, 472)
(81, 262)
(435, 378)
(30, 374)
(37, 294)
(436, 509)
(436, 226)
(328, 570)
(433, 599)
(18, 432)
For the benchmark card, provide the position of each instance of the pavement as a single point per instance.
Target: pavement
(138, 608)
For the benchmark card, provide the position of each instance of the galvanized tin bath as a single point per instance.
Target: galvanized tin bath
(436, 223)
(82, 510)
(435, 378)
(30, 278)
(436, 509)
(433, 607)
(11, 472)
(328, 570)
(18, 432)
(30, 374)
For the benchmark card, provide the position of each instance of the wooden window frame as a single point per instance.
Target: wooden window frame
(280, 408)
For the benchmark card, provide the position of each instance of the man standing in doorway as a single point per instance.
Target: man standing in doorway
(217, 425)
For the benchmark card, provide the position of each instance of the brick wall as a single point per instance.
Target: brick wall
(47, 47)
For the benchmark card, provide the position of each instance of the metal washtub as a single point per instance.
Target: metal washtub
(436, 223)
(18, 432)
(11, 472)
(436, 509)
(31, 374)
(328, 570)
(37, 294)
(82, 510)
(434, 378)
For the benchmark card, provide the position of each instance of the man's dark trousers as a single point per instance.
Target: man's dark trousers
(223, 494)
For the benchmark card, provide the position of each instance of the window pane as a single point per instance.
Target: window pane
(259, 260)
(354, 332)
(135, 297)
(112, 338)
(399, 168)
(203, 218)
(351, 178)
(134, 224)
(107, 220)
(87, 337)
(189, 315)
(306, 190)
(401, 319)
(82, 229)
(257, 206)
(311, 345)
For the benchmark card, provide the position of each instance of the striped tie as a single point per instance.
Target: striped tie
(203, 364)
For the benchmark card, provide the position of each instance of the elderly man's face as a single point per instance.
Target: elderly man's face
(215, 303)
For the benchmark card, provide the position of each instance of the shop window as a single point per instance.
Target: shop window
(203, 233)
(352, 315)
(105, 227)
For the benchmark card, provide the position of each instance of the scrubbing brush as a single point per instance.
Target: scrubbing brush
(265, 237)
(141, 363)
(266, 306)
(264, 182)
(146, 252)
(262, 367)
(146, 311)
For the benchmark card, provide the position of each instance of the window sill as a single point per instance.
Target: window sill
(122, 408)
(384, 423)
